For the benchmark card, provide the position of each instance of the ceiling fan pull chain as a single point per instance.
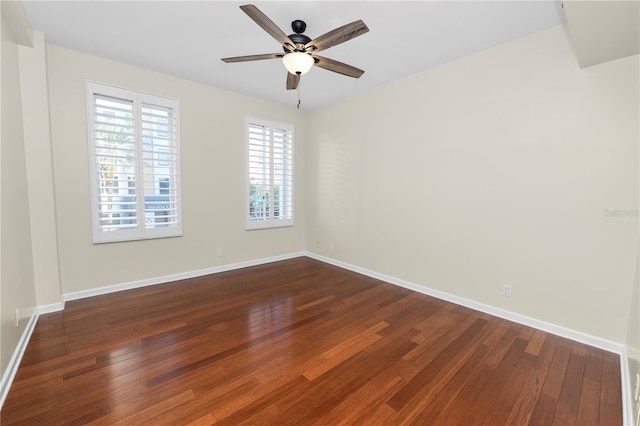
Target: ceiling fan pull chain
(298, 96)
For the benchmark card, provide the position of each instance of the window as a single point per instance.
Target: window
(163, 186)
(134, 149)
(269, 174)
(162, 157)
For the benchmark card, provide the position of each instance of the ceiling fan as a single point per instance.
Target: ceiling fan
(299, 50)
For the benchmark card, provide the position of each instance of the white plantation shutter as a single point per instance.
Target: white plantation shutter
(135, 164)
(115, 157)
(270, 174)
(160, 162)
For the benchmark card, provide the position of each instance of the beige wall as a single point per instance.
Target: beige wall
(212, 141)
(39, 167)
(493, 170)
(16, 274)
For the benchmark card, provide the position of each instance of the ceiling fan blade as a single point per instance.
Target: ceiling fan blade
(267, 25)
(253, 57)
(337, 36)
(292, 81)
(337, 66)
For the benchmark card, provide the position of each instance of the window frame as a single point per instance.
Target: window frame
(271, 222)
(138, 99)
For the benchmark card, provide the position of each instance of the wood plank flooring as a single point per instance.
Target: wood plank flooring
(300, 342)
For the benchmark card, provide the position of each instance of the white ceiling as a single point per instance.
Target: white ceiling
(187, 39)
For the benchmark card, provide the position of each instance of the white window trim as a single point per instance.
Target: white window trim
(140, 232)
(271, 222)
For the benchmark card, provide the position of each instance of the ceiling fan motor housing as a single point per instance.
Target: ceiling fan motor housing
(298, 38)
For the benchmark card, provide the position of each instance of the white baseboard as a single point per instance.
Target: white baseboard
(577, 336)
(53, 307)
(18, 353)
(501, 313)
(14, 362)
(607, 345)
(175, 277)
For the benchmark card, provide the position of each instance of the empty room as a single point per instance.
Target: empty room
(320, 212)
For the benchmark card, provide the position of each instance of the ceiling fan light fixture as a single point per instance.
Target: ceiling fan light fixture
(297, 62)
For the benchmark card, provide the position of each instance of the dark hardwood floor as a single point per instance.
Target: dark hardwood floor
(300, 342)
